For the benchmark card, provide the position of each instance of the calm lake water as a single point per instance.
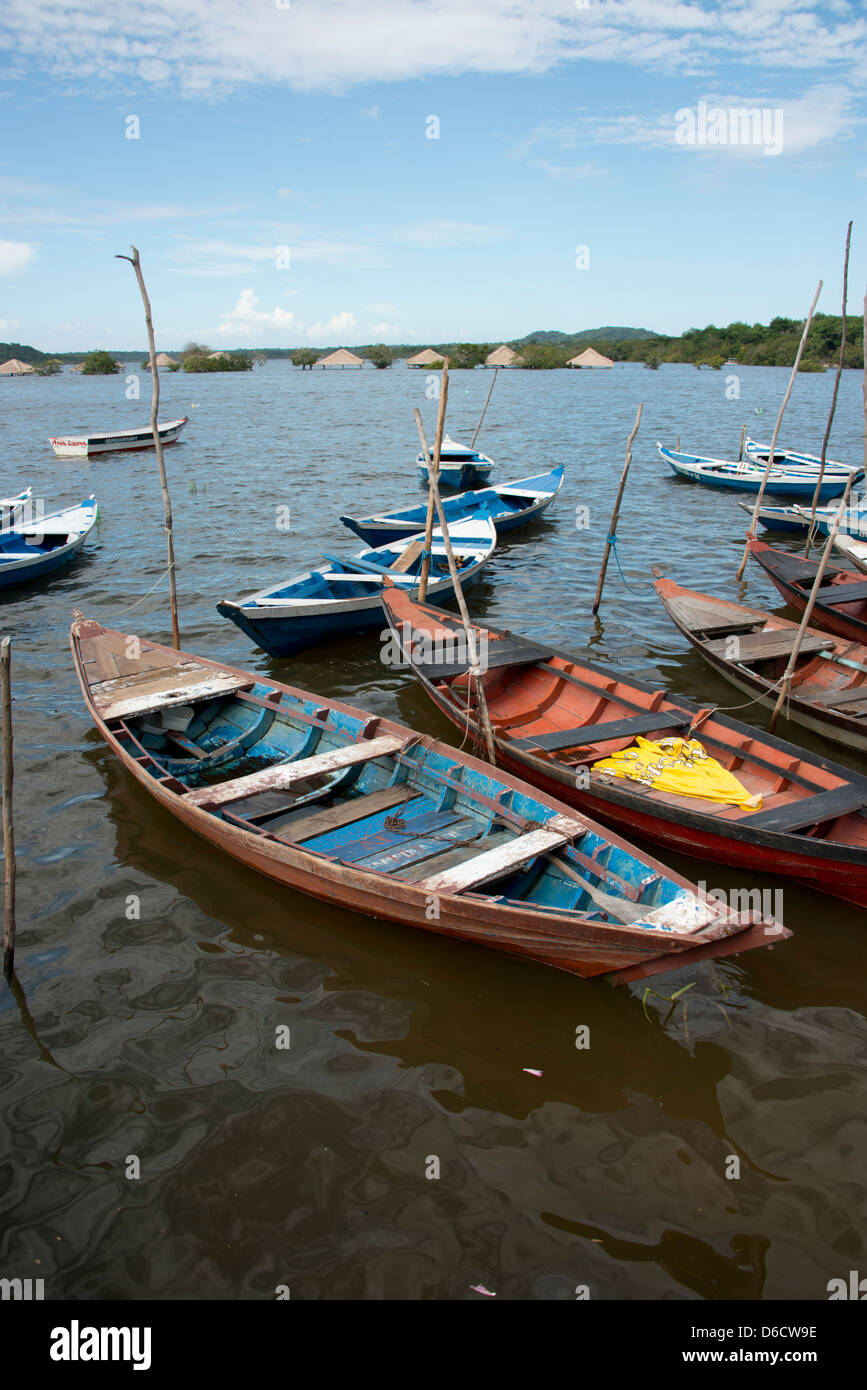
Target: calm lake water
(156, 1037)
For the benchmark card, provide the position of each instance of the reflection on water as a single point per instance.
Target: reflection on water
(155, 975)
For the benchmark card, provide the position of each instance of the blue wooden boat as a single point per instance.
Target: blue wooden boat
(790, 458)
(355, 809)
(508, 506)
(30, 551)
(12, 508)
(343, 596)
(796, 518)
(797, 481)
(460, 465)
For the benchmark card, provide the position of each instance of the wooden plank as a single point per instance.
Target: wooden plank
(357, 808)
(448, 856)
(126, 697)
(600, 733)
(834, 698)
(493, 863)
(284, 775)
(703, 615)
(842, 593)
(510, 652)
(393, 854)
(764, 646)
(809, 810)
(406, 561)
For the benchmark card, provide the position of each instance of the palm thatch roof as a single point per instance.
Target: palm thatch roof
(590, 358)
(15, 368)
(503, 357)
(426, 358)
(341, 358)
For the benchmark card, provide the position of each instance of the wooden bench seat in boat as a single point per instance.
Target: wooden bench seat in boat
(808, 810)
(764, 646)
(843, 593)
(832, 699)
(284, 775)
(703, 615)
(125, 697)
(493, 863)
(600, 733)
(510, 651)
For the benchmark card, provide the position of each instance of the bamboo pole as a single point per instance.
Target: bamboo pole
(155, 402)
(433, 465)
(834, 395)
(472, 652)
(8, 825)
(612, 530)
(677, 445)
(817, 582)
(752, 531)
(741, 445)
(479, 425)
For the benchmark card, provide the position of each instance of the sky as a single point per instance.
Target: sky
(316, 172)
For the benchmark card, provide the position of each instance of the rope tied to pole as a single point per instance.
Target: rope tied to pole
(611, 540)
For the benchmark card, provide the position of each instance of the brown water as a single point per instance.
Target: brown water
(155, 1036)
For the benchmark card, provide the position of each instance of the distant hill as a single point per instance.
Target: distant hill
(586, 335)
(23, 352)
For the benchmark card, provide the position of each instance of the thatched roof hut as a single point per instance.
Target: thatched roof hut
(590, 358)
(426, 358)
(15, 368)
(162, 359)
(341, 358)
(503, 357)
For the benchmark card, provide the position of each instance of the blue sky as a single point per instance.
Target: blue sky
(302, 124)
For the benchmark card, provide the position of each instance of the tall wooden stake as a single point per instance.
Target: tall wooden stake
(479, 425)
(741, 445)
(472, 651)
(752, 531)
(805, 621)
(155, 403)
(612, 530)
(433, 466)
(834, 395)
(8, 826)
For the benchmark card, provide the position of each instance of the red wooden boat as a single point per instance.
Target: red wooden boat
(751, 649)
(359, 810)
(554, 716)
(841, 603)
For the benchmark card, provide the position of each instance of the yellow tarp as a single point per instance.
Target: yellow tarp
(678, 765)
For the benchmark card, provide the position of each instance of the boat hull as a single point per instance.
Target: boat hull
(14, 572)
(583, 948)
(831, 619)
(83, 445)
(830, 867)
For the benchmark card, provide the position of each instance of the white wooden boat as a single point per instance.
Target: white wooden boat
(797, 481)
(791, 458)
(83, 445)
(854, 550)
(460, 464)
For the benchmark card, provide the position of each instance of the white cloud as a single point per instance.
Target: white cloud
(443, 231)
(370, 112)
(9, 325)
(202, 46)
(568, 171)
(335, 329)
(15, 256)
(229, 259)
(385, 330)
(247, 316)
(247, 319)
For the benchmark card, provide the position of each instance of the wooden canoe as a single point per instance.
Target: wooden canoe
(841, 603)
(554, 717)
(360, 811)
(79, 445)
(855, 550)
(751, 649)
